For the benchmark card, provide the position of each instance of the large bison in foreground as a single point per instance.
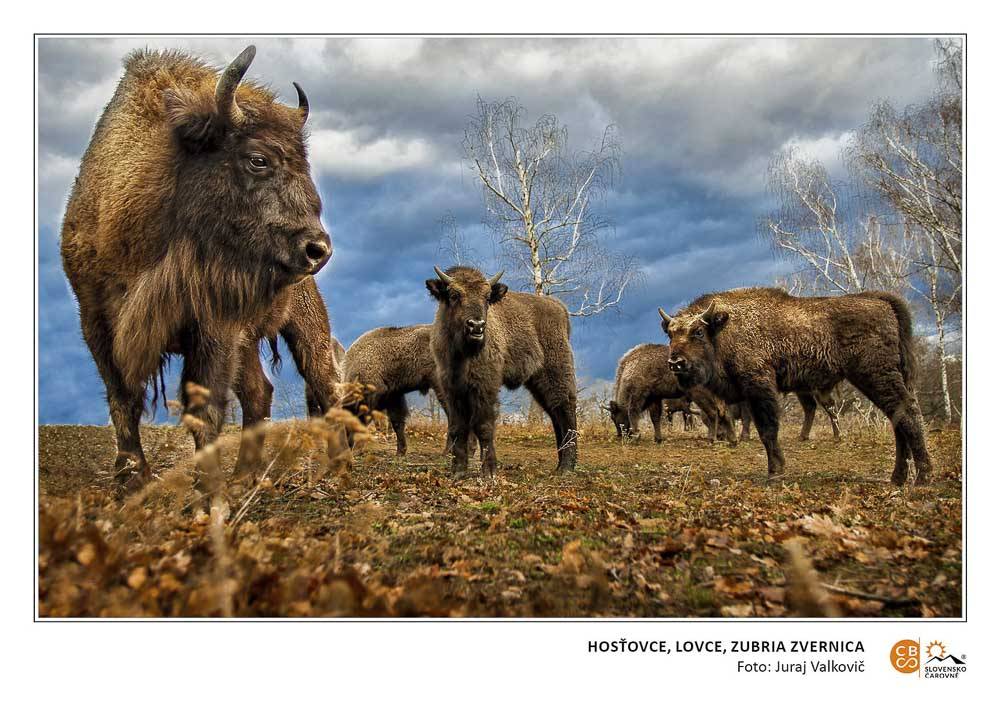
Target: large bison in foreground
(644, 380)
(391, 362)
(752, 344)
(194, 228)
(485, 337)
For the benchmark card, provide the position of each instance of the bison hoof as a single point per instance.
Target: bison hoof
(658, 440)
(131, 473)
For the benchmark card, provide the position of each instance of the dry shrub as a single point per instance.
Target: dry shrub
(161, 554)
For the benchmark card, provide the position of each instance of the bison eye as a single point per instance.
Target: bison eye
(698, 333)
(257, 162)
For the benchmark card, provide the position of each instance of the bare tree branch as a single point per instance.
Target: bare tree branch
(541, 201)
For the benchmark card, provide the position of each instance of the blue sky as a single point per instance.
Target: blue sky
(698, 119)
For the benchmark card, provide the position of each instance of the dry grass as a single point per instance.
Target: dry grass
(678, 529)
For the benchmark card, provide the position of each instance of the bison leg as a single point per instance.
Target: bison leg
(560, 405)
(313, 356)
(254, 391)
(766, 411)
(208, 363)
(808, 403)
(655, 415)
(485, 431)
(397, 411)
(825, 398)
(313, 408)
(890, 395)
(125, 405)
(745, 422)
(458, 435)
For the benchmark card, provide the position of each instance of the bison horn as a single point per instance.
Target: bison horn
(303, 101)
(664, 315)
(496, 278)
(706, 316)
(225, 91)
(443, 276)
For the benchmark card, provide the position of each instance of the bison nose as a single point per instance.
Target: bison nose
(317, 252)
(677, 363)
(475, 326)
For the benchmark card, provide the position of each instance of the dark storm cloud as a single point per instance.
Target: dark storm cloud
(698, 120)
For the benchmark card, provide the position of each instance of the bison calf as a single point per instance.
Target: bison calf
(391, 362)
(644, 380)
(752, 344)
(485, 337)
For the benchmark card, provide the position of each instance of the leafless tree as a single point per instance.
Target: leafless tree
(896, 223)
(914, 161)
(822, 226)
(454, 246)
(542, 203)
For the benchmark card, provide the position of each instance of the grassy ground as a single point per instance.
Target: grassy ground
(678, 529)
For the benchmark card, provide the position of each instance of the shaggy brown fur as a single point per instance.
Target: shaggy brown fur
(192, 216)
(485, 337)
(394, 361)
(643, 380)
(753, 344)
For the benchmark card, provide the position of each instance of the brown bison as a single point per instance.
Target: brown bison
(671, 406)
(752, 344)
(484, 337)
(193, 228)
(391, 362)
(644, 380)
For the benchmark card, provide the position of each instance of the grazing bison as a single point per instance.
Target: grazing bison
(193, 228)
(753, 344)
(683, 406)
(484, 337)
(643, 380)
(392, 361)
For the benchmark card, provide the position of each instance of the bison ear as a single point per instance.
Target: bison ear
(195, 119)
(497, 292)
(717, 320)
(438, 289)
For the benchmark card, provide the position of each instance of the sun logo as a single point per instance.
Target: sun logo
(936, 649)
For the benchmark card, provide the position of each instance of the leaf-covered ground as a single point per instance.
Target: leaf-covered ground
(678, 529)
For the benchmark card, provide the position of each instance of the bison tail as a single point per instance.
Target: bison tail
(158, 383)
(272, 342)
(907, 354)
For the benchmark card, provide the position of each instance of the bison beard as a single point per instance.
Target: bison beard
(194, 228)
(485, 337)
(755, 343)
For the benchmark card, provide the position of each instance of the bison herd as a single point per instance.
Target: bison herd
(193, 229)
